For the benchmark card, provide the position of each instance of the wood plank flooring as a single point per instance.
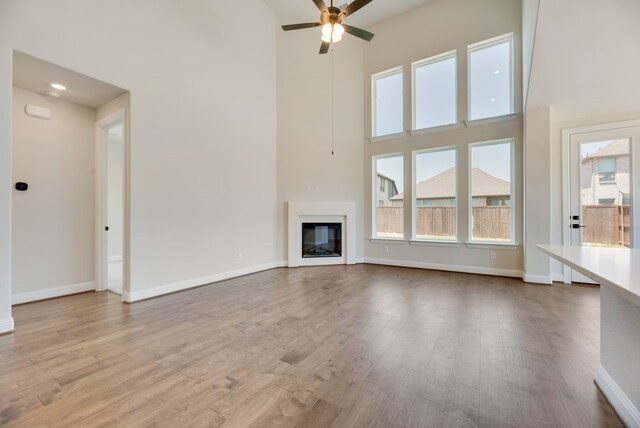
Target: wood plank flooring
(311, 347)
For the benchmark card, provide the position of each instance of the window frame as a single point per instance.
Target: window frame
(512, 196)
(374, 98)
(474, 47)
(374, 196)
(425, 62)
(414, 204)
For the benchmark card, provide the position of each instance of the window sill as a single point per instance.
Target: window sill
(387, 137)
(434, 243)
(435, 129)
(396, 241)
(490, 120)
(493, 245)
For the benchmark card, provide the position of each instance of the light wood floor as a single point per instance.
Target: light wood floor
(311, 347)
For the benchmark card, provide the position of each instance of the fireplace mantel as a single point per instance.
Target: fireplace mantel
(305, 212)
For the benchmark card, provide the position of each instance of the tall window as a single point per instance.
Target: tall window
(491, 179)
(387, 102)
(388, 207)
(434, 91)
(491, 78)
(435, 194)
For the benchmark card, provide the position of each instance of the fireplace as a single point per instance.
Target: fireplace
(321, 240)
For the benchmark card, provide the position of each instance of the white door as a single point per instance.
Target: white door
(602, 184)
(115, 209)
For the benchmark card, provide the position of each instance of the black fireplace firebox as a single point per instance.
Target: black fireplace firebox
(321, 240)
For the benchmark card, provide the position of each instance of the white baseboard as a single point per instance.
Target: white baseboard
(6, 325)
(116, 258)
(537, 279)
(137, 295)
(618, 399)
(557, 277)
(450, 268)
(50, 293)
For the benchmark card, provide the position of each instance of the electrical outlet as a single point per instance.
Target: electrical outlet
(493, 255)
(317, 188)
(386, 249)
(308, 187)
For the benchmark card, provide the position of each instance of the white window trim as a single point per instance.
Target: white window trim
(476, 242)
(414, 205)
(374, 78)
(428, 61)
(487, 44)
(374, 196)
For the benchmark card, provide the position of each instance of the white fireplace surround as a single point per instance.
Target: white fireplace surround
(322, 212)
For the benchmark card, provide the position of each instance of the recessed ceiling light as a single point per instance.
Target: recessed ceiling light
(493, 99)
(496, 72)
(58, 86)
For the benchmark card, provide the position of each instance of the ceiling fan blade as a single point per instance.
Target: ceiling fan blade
(321, 5)
(359, 32)
(355, 6)
(301, 26)
(324, 48)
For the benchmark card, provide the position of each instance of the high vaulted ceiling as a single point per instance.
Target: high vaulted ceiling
(294, 11)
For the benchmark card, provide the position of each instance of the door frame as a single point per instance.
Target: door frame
(101, 202)
(566, 174)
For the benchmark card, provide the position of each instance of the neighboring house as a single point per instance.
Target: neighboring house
(605, 175)
(386, 190)
(438, 191)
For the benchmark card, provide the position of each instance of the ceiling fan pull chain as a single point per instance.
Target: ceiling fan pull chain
(333, 115)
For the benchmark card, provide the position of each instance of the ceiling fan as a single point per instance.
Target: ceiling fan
(331, 18)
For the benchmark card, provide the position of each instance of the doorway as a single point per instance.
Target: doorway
(601, 183)
(110, 185)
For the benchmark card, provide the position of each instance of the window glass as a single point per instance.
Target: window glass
(435, 194)
(388, 116)
(490, 79)
(389, 210)
(491, 192)
(435, 91)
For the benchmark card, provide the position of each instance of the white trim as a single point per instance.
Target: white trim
(116, 258)
(134, 296)
(387, 137)
(6, 325)
(618, 399)
(50, 293)
(557, 277)
(387, 73)
(449, 268)
(487, 44)
(435, 129)
(486, 245)
(434, 243)
(490, 120)
(393, 241)
(537, 279)
(426, 62)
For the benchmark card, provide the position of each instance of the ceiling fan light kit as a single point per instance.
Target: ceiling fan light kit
(331, 18)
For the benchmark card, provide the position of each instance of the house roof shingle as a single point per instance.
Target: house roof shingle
(614, 148)
(440, 186)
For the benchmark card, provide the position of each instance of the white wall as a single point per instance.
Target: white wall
(115, 198)
(435, 28)
(53, 221)
(304, 126)
(203, 123)
(585, 67)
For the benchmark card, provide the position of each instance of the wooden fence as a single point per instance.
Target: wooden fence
(488, 222)
(606, 225)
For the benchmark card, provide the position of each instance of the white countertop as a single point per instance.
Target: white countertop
(618, 268)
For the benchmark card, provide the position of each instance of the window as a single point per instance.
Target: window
(606, 201)
(607, 170)
(435, 193)
(389, 212)
(387, 102)
(491, 78)
(491, 184)
(434, 91)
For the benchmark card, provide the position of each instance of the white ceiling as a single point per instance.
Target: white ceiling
(294, 11)
(36, 75)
